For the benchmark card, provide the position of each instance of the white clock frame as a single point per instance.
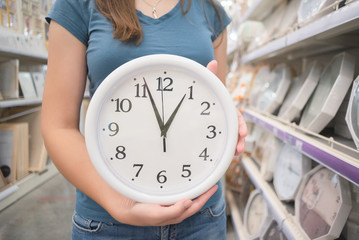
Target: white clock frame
(114, 80)
(343, 212)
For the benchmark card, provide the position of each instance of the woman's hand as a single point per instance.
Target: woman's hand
(242, 133)
(146, 214)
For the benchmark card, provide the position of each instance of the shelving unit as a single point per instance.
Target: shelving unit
(19, 102)
(13, 46)
(259, 10)
(24, 55)
(337, 31)
(279, 212)
(331, 32)
(235, 215)
(326, 151)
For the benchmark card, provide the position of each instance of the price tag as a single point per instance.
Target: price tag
(299, 145)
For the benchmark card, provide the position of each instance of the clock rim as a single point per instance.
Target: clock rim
(267, 219)
(348, 115)
(160, 60)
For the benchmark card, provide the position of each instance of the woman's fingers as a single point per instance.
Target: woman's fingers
(143, 214)
(242, 133)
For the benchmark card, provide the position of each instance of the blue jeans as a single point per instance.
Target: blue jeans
(207, 224)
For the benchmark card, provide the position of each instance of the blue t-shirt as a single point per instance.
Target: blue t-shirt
(187, 35)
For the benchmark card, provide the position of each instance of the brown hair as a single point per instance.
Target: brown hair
(126, 25)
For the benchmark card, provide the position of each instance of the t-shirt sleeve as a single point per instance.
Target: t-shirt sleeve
(216, 22)
(73, 15)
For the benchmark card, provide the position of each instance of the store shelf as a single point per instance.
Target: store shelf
(325, 34)
(338, 157)
(24, 55)
(13, 192)
(285, 220)
(20, 102)
(15, 45)
(260, 9)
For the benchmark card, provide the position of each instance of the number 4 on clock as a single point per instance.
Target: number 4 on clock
(204, 154)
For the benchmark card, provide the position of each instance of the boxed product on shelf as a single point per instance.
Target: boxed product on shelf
(39, 82)
(275, 89)
(333, 85)
(243, 85)
(265, 153)
(255, 132)
(289, 19)
(20, 44)
(259, 81)
(14, 149)
(272, 23)
(38, 153)
(10, 14)
(27, 85)
(300, 91)
(309, 10)
(9, 86)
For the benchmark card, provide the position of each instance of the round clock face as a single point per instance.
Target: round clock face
(291, 167)
(161, 128)
(322, 204)
(256, 215)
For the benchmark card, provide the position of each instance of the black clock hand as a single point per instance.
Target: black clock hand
(163, 116)
(158, 117)
(170, 120)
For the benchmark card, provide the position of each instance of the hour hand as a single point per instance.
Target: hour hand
(158, 117)
(170, 120)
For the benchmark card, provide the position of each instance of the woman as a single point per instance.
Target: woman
(91, 38)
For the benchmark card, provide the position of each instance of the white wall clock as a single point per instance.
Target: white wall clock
(266, 153)
(275, 89)
(323, 204)
(352, 114)
(261, 77)
(256, 215)
(161, 128)
(291, 168)
(332, 87)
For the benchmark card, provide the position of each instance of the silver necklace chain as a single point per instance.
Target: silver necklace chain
(154, 11)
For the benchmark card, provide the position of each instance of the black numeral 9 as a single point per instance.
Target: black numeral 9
(114, 128)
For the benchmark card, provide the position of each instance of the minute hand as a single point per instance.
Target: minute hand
(170, 120)
(158, 117)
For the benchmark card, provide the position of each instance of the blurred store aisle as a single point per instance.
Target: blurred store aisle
(45, 214)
